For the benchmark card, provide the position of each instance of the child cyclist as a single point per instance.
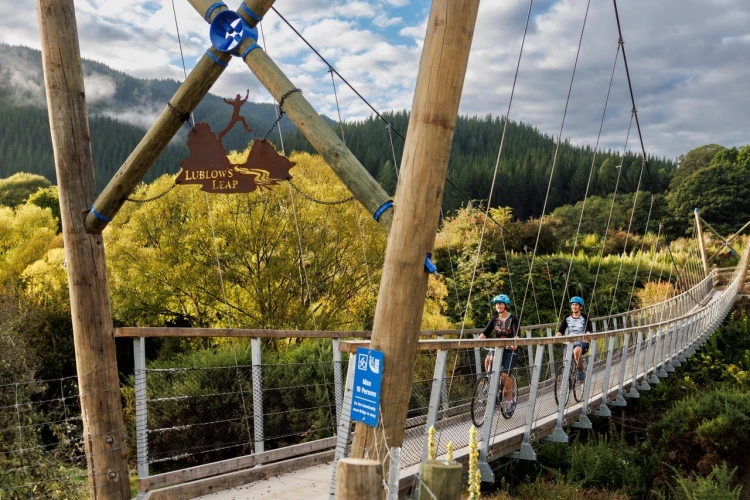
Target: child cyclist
(503, 325)
(576, 323)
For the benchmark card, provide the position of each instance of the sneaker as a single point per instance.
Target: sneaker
(581, 375)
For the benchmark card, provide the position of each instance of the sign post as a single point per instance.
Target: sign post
(366, 391)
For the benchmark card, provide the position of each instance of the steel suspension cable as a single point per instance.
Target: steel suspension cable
(494, 175)
(611, 211)
(591, 173)
(554, 159)
(638, 127)
(627, 236)
(640, 255)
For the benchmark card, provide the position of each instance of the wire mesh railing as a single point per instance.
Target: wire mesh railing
(42, 451)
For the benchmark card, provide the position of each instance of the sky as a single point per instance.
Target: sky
(689, 60)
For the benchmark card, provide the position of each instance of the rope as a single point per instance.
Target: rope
(591, 172)
(554, 159)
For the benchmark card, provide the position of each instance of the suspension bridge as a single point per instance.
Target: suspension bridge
(429, 377)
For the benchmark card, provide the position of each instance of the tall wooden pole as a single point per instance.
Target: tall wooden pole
(103, 429)
(403, 286)
(701, 243)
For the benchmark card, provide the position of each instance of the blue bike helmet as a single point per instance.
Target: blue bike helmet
(577, 300)
(501, 298)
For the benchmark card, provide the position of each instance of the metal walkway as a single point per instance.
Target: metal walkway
(630, 352)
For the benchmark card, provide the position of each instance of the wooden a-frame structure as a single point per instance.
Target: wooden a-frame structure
(412, 224)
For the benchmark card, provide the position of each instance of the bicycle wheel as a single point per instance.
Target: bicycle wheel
(479, 400)
(578, 384)
(508, 408)
(558, 386)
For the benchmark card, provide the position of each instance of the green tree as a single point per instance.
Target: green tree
(721, 192)
(695, 160)
(48, 198)
(388, 178)
(18, 187)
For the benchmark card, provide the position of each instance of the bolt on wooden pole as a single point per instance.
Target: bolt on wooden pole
(359, 479)
(103, 428)
(403, 286)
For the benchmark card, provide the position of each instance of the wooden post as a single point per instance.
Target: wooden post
(98, 382)
(701, 243)
(359, 479)
(403, 285)
(443, 479)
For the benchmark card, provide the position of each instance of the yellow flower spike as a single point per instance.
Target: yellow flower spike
(431, 451)
(474, 477)
(450, 451)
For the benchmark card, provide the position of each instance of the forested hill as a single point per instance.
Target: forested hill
(524, 167)
(121, 107)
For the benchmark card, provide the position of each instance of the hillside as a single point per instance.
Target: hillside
(121, 107)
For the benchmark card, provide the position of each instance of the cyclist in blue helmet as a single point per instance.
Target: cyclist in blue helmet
(576, 323)
(503, 325)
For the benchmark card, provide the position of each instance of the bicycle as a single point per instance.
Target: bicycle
(481, 392)
(576, 385)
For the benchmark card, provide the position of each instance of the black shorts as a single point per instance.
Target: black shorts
(510, 358)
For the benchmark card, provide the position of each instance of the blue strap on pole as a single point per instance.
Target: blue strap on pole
(251, 13)
(385, 206)
(99, 216)
(216, 59)
(250, 49)
(430, 266)
(212, 9)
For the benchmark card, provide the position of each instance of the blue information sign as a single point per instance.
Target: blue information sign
(368, 373)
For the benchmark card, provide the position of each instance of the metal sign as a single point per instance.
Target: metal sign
(366, 389)
(208, 165)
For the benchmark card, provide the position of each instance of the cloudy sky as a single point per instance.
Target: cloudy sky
(689, 59)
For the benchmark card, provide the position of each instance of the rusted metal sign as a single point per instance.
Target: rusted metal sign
(208, 165)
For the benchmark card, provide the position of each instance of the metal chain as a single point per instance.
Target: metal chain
(154, 198)
(281, 111)
(315, 200)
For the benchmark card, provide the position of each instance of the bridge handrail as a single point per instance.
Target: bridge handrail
(443, 344)
(188, 332)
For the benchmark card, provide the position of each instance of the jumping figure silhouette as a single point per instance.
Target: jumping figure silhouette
(236, 117)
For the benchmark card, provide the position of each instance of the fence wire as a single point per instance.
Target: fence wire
(196, 415)
(42, 452)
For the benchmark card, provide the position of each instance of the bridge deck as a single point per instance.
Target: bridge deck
(313, 482)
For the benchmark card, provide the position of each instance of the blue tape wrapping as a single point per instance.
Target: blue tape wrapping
(216, 59)
(212, 9)
(430, 266)
(251, 13)
(250, 49)
(385, 206)
(99, 216)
